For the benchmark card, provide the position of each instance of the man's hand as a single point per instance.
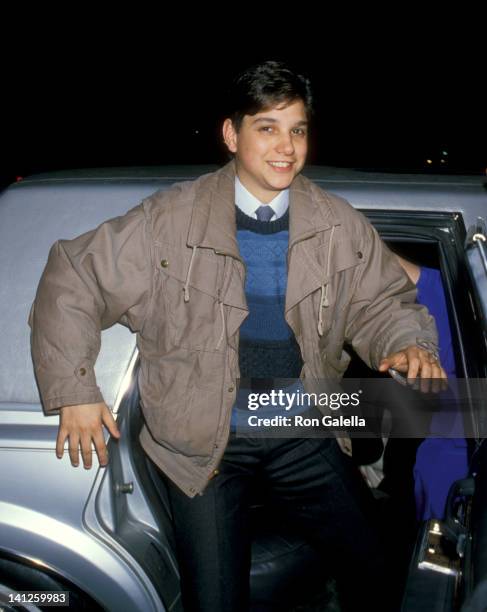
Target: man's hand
(83, 423)
(415, 360)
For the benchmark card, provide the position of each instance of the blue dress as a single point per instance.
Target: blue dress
(439, 461)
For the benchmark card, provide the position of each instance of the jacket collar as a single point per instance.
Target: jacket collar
(213, 219)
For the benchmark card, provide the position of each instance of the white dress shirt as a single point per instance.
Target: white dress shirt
(248, 203)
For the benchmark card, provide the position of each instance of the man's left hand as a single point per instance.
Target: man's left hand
(417, 361)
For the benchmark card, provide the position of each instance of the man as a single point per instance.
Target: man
(172, 270)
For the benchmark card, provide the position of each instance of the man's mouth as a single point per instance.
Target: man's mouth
(280, 164)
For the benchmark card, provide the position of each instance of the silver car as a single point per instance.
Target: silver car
(104, 535)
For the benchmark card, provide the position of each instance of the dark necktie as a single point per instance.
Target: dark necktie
(264, 213)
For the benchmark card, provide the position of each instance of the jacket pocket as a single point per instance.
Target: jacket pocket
(195, 323)
(342, 254)
(182, 400)
(338, 289)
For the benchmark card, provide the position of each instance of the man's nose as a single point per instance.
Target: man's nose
(285, 144)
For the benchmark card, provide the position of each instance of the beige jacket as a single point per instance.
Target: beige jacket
(171, 271)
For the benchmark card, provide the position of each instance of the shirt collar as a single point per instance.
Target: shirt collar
(248, 202)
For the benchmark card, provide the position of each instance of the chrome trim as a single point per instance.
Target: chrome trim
(126, 382)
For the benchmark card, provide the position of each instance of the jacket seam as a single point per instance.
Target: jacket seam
(60, 245)
(149, 240)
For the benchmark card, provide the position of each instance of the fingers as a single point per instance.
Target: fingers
(100, 447)
(423, 368)
(62, 434)
(414, 365)
(73, 449)
(432, 376)
(86, 449)
(110, 422)
(83, 425)
(439, 377)
(397, 361)
(418, 363)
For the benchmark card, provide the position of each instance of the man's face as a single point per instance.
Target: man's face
(270, 148)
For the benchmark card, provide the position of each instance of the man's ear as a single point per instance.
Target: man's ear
(229, 135)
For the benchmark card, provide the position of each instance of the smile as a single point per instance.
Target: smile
(280, 164)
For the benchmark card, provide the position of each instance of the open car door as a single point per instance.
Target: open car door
(448, 570)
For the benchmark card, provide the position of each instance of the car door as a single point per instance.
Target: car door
(473, 592)
(448, 570)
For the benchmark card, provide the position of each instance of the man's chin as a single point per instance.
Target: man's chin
(280, 185)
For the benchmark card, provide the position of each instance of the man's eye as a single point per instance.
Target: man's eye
(269, 129)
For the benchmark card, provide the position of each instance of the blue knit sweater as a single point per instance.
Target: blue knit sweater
(267, 348)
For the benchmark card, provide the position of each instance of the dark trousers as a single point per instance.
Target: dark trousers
(315, 489)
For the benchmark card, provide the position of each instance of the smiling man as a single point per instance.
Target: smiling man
(251, 271)
(270, 148)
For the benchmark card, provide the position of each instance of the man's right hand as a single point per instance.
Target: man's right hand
(82, 424)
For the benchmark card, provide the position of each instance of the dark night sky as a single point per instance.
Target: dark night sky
(378, 107)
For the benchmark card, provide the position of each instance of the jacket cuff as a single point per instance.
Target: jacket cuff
(62, 384)
(53, 404)
(393, 342)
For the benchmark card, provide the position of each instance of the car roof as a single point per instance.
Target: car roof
(364, 189)
(187, 171)
(42, 208)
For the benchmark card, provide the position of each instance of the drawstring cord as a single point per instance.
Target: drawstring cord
(324, 302)
(225, 283)
(222, 312)
(186, 284)
(220, 301)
